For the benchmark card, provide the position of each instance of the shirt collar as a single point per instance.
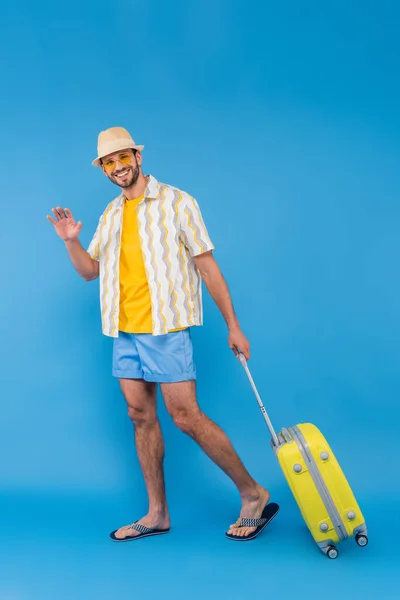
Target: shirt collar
(151, 192)
(152, 189)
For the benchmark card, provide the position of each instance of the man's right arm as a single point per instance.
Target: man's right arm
(87, 267)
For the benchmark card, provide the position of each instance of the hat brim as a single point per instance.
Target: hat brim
(97, 161)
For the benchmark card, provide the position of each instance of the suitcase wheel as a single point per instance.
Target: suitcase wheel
(361, 539)
(332, 552)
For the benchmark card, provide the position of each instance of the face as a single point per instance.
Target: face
(123, 167)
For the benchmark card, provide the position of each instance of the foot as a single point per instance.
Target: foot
(152, 522)
(252, 508)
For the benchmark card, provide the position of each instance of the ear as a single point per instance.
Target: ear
(139, 158)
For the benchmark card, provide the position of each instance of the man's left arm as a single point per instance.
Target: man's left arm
(200, 246)
(218, 289)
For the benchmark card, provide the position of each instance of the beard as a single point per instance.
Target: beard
(131, 177)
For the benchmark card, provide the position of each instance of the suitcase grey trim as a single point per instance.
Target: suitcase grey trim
(281, 442)
(286, 435)
(361, 529)
(319, 483)
(323, 546)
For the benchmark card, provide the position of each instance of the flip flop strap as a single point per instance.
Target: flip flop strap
(251, 522)
(140, 528)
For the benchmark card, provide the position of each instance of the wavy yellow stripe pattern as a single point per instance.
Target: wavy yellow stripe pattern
(147, 272)
(183, 264)
(192, 288)
(95, 252)
(116, 291)
(186, 280)
(94, 246)
(153, 252)
(170, 284)
(167, 258)
(194, 231)
(106, 264)
(196, 207)
(177, 206)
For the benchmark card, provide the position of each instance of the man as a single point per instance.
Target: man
(151, 250)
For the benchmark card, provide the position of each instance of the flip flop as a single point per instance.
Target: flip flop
(269, 512)
(143, 532)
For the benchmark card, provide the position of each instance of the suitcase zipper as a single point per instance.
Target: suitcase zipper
(319, 483)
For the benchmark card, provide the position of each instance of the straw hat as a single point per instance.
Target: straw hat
(112, 140)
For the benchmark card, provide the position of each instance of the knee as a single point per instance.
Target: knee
(186, 421)
(141, 416)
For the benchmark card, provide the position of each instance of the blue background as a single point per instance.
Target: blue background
(283, 120)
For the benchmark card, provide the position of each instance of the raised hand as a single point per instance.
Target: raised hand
(65, 225)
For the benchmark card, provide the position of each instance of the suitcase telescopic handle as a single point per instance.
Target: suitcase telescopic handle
(243, 361)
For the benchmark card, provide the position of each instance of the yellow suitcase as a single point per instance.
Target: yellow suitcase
(318, 484)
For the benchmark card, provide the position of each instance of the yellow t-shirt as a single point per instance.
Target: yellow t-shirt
(135, 302)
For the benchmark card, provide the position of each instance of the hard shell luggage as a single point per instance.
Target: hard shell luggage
(318, 484)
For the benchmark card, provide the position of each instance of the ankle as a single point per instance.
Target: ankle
(158, 511)
(251, 494)
(254, 493)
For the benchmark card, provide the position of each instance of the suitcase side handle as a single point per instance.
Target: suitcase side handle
(243, 362)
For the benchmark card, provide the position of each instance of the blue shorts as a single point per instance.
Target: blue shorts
(162, 358)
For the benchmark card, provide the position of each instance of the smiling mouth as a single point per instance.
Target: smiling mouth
(122, 174)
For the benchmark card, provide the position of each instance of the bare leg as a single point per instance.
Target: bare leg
(180, 400)
(141, 399)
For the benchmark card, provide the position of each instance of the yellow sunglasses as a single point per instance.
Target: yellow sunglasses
(111, 163)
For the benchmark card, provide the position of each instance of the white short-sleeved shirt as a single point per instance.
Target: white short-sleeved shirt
(172, 232)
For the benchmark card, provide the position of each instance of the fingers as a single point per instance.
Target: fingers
(57, 212)
(245, 349)
(60, 214)
(234, 350)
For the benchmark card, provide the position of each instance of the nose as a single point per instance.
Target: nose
(119, 166)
